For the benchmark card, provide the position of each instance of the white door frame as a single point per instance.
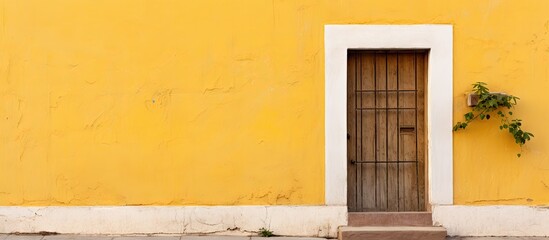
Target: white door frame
(438, 39)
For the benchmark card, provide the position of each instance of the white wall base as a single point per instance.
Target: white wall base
(321, 221)
(493, 220)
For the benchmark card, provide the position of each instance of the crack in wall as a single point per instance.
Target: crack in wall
(495, 200)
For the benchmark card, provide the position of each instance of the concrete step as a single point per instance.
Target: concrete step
(390, 219)
(392, 233)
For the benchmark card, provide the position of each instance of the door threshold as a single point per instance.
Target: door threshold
(390, 219)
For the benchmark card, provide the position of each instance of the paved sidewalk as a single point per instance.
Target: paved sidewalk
(211, 237)
(101, 237)
(497, 238)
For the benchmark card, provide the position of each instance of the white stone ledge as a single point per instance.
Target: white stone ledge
(318, 221)
(492, 220)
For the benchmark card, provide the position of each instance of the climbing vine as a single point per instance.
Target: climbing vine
(488, 103)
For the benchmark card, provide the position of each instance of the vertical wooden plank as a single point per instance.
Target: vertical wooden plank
(406, 76)
(409, 180)
(367, 65)
(392, 73)
(421, 80)
(407, 147)
(408, 186)
(394, 168)
(407, 80)
(368, 169)
(392, 134)
(351, 132)
(359, 120)
(359, 183)
(381, 138)
(368, 133)
(358, 131)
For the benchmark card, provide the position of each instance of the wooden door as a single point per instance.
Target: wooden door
(386, 130)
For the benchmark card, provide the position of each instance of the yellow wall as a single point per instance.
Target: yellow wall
(137, 102)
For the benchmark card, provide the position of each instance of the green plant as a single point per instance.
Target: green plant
(265, 232)
(487, 104)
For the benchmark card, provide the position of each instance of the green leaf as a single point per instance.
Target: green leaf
(469, 116)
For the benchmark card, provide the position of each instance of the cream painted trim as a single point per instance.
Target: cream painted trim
(438, 39)
(493, 220)
(321, 221)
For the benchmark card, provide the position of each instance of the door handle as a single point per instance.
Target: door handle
(353, 161)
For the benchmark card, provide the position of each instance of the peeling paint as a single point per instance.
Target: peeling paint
(496, 201)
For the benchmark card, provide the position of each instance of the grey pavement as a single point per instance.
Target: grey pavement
(103, 237)
(497, 238)
(209, 237)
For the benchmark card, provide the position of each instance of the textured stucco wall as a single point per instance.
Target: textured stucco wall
(134, 102)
